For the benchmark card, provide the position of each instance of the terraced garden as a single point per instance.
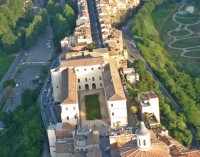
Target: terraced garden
(185, 38)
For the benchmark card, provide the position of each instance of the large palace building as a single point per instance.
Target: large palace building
(81, 71)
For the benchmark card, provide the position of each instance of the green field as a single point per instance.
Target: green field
(5, 62)
(165, 23)
(187, 20)
(180, 33)
(193, 53)
(188, 42)
(92, 105)
(195, 28)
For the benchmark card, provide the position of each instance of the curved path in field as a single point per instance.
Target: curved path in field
(184, 27)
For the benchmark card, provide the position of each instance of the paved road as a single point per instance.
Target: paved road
(44, 98)
(135, 54)
(12, 70)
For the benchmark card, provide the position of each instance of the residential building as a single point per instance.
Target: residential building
(149, 104)
(130, 75)
(66, 140)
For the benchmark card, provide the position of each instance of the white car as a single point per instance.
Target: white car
(49, 46)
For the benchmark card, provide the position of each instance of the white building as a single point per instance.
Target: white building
(87, 73)
(149, 103)
(130, 75)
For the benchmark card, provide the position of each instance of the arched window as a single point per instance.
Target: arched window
(144, 142)
(67, 118)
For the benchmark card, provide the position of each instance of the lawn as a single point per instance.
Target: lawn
(187, 20)
(180, 33)
(5, 62)
(92, 105)
(193, 53)
(186, 43)
(195, 28)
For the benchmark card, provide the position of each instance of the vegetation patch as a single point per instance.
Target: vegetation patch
(193, 53)
(187, 20)
(195, 28)
(186, 43)
(180, 33)
(5, 62)
(183, 88)
(164, 12)
(24, 132)
(92, 105)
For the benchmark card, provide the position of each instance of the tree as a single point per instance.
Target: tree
(10, 82)
(134, 109)
(70, 17)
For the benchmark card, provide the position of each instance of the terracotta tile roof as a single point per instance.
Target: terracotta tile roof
(190, 153)
(70, 85)
(82, 62)
(112, 82)
(158, 149)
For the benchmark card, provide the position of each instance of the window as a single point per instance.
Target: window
(144, 142)
(77, 70)
(56, 86)
(92, 68)
(92, 78)
(85, 69)
(79, 80)
(85, 79)
(74, 108)
(99, 77)
(67, 118)
(75, 116)
(111, 105)
(100, 84)
(66, 108)
(113, 114)
(99, 67)
(79, 87)
(139, 142)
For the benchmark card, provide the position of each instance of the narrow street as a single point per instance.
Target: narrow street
(94, 23)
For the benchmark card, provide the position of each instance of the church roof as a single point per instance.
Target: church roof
(158, 149)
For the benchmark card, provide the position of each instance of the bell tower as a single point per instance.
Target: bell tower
(143, 138)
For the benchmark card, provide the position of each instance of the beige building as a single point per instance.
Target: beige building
(67, 141)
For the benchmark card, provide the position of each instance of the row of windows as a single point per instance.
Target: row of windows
(79, 87)
(73, 108)
(93, 79)
(91, 69)
(144, 142)
(75, 117)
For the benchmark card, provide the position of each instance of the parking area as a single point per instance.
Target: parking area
(42, 50)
